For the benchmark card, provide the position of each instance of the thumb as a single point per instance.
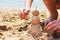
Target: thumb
(26, 11)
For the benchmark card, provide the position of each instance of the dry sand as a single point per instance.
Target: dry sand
(14, 27)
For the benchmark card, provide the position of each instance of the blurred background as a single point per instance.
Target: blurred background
(20, 4)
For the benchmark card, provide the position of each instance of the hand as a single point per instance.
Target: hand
(53, 26)
(23, 13)
(50, 18)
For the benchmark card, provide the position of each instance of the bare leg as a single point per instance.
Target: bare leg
(58, 4)
(51, 5)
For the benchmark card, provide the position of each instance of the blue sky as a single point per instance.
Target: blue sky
(20, 3)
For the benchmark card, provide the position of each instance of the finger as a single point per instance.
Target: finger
(50, 23)
(22, 10)
(55, 28)
(50, 28)
(26, 11)
(45, 27)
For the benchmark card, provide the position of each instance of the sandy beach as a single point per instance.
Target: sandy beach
(13, 28)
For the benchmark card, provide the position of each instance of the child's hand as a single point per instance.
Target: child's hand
(23, 13)
(53, 26)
